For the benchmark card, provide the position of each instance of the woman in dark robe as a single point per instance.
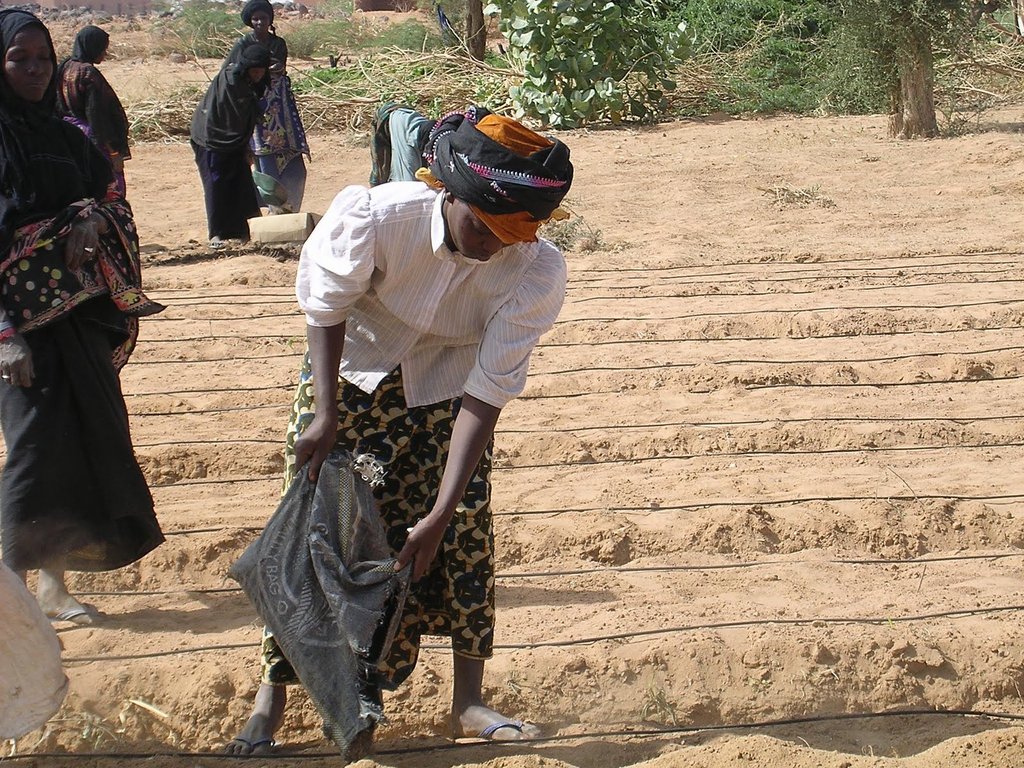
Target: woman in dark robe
(279, 140)
(85, 98)
(72, 495)
(221, 127)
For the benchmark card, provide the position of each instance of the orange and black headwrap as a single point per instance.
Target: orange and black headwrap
(512, 178)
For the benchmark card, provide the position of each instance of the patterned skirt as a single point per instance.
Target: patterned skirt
(456, 598)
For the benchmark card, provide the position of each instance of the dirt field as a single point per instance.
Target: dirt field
(767, 467)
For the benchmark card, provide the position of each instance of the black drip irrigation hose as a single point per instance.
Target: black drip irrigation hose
(610, 342)
(240, 318)
(629, 289)
(685, 628)
(814, 261)
(823, 337)
(621, 732)
(233, 441)
(646, 294)
(665, 508)
(300, 338)
(791, 311)
(296, 337)
(288, 291)
(744, 454)
(590, 393)
(698, 315)
(645, 319)
(659, 366)
(881, 359)
(211, 391)
(634, 635)
(205, 411)
(665, 458)
(961, 420)
(205, 360)
(762, 503)
(881, 384)
(793, 275)
(612, 428)
(603, 570)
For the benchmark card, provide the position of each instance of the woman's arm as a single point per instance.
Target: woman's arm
(236, 51)
(106, 116)
(280, 53)
(325, 348)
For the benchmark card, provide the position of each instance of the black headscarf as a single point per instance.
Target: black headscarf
(12, 21)
(45, 163)
(256, 5)
(225, 118)
(90, 44)
(255, 56)
(482, 172)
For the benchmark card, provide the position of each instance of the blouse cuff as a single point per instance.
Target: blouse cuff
(7, 329)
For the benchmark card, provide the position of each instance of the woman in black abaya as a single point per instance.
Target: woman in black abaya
(72, 496)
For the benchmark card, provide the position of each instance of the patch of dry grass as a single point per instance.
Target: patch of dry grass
(783, 196)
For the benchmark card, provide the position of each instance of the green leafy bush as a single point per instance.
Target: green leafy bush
(317, 37)
(851, 82)
(408, 35)
(204, 29)
(590, 59)
(776, 45)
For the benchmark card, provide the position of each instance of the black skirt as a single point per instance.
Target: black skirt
(229, 192)
(72, 494)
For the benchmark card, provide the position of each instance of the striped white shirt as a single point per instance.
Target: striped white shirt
(378, 262)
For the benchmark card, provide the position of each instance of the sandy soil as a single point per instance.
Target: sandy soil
(766, 467)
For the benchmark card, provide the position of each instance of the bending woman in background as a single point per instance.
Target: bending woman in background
(85, 98)
(279, 140)
(72, 495)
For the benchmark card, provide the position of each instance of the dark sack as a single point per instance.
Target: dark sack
(322, 578)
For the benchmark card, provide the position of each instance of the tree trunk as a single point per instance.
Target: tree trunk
(913, 94)
(476, 32)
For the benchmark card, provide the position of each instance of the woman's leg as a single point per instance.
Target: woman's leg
(257, 737)
(293, 177)
(229, 192)
(471, 717)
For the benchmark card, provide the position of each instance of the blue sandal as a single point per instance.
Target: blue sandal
(490, 730)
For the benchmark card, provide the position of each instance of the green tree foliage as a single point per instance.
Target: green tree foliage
(904, 38)
(590, 59)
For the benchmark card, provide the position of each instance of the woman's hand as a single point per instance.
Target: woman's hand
(83, 240)
(16, 362)
(421, 547)
(315, 443)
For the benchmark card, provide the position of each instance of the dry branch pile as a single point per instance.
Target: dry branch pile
(346, 96)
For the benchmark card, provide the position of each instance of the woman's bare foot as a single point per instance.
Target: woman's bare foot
(481, 722)
(257, 737)
(58, 604)
(471, 717)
